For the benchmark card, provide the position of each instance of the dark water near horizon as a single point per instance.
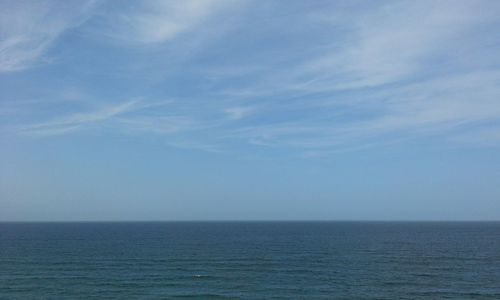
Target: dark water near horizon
(250, 260)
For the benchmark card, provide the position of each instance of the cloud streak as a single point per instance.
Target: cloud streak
(237, 113)
(76, 121)
(346, 77)
(29, 29)
(157, 21)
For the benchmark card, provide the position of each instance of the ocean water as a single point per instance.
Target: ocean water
(250, 260)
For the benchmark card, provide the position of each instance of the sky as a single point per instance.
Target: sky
(249, 110)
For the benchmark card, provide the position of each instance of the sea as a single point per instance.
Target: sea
(250, 260)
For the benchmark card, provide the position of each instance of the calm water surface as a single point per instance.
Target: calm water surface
(250, 260)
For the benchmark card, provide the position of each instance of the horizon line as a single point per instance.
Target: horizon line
(255, 221)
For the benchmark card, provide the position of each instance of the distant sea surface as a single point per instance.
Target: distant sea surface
(250, 260)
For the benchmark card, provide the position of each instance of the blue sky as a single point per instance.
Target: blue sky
(208, 110)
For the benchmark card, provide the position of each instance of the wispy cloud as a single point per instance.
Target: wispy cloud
(397, 41)
(240, 112)
(135, 116)
(163, 124)
(29, 28)
(346, 77)
(390, 43)
(398, 69)
(75, 121)
(445, 105)
(197, 146)
(157, 21)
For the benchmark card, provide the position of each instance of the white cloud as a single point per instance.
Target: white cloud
(443, 106)
(131, 117)
(237, 113)
(396, 41)
(399, 70)
(157, 21)
(196, 146)
(441, 103)
(162, 124)
(75, 121)
(389, 43)
(396, 72)
(28, 29)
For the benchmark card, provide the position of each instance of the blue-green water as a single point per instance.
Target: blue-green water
(250, 260)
